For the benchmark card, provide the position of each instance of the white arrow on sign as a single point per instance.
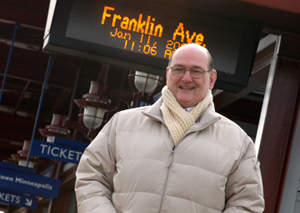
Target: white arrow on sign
(28, 202)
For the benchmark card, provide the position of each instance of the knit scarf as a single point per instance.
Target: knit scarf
(178, 120)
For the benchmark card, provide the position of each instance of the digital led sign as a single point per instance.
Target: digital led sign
(143, 35)
(138, 34)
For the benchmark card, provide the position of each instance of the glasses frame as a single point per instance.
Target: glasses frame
(185, 69)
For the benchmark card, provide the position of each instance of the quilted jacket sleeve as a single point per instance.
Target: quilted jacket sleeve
(94, 184)
(244, 191)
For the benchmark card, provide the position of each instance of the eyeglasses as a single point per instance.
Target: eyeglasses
(195, 72)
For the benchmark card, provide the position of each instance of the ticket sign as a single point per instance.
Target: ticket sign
(18, 180)
(142, 35)
(17, 199)
(62, 149)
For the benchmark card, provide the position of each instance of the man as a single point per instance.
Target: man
(177, 155)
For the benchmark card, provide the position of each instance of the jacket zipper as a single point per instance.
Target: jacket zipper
(167, 177)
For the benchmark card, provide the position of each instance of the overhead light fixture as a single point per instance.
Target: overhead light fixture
(144, 87)
(92, 116)
(21, 156)
(56, 129)
(94, 106)
(145, 82)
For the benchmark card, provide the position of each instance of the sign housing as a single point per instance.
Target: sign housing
(142, 36)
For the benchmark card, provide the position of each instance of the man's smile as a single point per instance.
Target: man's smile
(186, 88)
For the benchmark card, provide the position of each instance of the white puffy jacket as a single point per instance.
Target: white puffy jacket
(132, 166)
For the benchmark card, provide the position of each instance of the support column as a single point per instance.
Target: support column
(279, 125)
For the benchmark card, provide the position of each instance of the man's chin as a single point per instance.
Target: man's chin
(185, 103)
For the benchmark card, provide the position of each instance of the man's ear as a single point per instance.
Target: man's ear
(212, 79)
(167, 73)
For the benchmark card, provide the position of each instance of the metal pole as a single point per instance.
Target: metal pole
(8, 61)
(40, 104)
(263, 113)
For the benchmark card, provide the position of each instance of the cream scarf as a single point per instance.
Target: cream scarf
(176, 118)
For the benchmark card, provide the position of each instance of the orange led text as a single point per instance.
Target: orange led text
(189, 38)
(147, 26)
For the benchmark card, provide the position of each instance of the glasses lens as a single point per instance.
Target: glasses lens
(197, 73)
(178, 71)
(194, 72)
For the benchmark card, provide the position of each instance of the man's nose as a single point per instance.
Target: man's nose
(187, 76)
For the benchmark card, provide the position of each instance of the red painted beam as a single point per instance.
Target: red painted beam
(277, 137)
(286, 5)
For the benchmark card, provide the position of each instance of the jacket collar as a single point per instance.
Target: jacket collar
(208, 117)
(154, 111)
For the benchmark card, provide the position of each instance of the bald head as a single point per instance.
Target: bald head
(210, 59)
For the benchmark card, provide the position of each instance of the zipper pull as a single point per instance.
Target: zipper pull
(171, 157)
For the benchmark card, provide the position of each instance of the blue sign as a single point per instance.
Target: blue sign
(16, 167)
(142, 102)
(14, 178)
(16, 199)
(62, 149)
